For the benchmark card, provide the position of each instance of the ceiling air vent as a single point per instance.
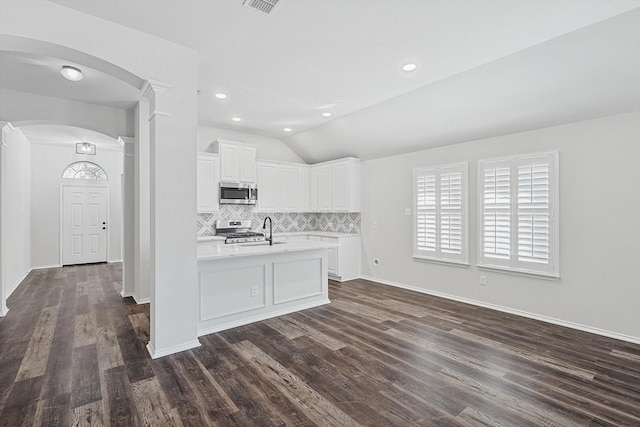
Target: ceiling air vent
(265, 7)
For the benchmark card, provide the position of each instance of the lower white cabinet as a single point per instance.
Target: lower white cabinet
(208, 179)
(343, 260)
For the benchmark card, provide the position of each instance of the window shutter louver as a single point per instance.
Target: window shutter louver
(451, 213)
(533, 213)
(426, 212)
(497, 213)
(519, 214)
(440, 223)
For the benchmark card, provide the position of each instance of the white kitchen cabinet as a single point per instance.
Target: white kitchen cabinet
(208, 169)
(237, 161)
(335, 186)
(325, 188)
(267, 187)
(303, 188)
(344, 260)
(346, 185)
(288, 186)
(313, 189)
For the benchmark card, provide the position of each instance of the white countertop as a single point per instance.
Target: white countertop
(316, 233)
(212, 250)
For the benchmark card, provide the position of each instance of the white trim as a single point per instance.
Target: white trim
(3, 310)
(246, 321)
(156, 354)
(552, 320)
(158, 114)
(17, 283)
(518, 272)
(105, 147)
(42, 267)
(140, 301)
(7, 127)
(153, 87)
(454, 263)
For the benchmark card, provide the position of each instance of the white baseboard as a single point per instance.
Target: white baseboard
(265, 316)
(16, 284)
(141, 300)
(552, 320)
(41, 267)
(3, 309)
(156, 354)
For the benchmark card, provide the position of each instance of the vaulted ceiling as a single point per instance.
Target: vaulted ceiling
(484, 68)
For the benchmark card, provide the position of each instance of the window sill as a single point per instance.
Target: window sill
(525, 273)
(452, 262)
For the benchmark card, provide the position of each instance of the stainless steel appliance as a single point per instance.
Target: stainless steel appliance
(238, 193)
(237, 231)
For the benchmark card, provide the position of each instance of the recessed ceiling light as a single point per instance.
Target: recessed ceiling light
(327, 114)
(220, 95)
(71, 73)
(287, 129)
(236, 119)
(409, 67)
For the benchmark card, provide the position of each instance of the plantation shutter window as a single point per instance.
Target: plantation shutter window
(440, 227)
(518, 214)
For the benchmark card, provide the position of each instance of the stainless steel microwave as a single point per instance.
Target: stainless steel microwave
(238, 193)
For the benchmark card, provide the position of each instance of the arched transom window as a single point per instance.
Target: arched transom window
(84, 170)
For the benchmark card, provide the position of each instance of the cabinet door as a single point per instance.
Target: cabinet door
(267, 187)
(207, 183)
(340, 182)
(325, 184)
(303, 189)
(288, 186)
(313, 189)
(229, 163)
(332, 261)
(247, 164)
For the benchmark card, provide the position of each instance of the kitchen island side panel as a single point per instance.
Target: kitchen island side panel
(241, 290)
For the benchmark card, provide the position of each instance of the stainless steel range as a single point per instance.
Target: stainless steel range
(237, 231)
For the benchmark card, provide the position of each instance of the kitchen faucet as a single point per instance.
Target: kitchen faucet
(264, 226)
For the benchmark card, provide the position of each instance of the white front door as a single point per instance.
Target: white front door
(84, 225)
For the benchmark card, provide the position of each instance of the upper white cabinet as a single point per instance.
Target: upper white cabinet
(326, 187)
(303, 188)
(267, 186)
(335, 186)
(208, 168)
(280, 186)
(237, 161)
(289, 185)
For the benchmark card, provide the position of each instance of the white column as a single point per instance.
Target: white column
(142, 267)
(128, 216)
(6, 129)
(174, 295)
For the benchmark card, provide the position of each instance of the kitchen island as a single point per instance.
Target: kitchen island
(241, 284)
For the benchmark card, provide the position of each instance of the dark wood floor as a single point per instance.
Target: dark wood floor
(72, 352)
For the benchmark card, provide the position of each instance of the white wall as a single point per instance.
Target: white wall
(173, 138)
(599, 176)
(16, 211)
(18, 106)
(47, 163)
(266, 147)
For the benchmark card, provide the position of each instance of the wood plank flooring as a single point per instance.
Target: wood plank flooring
(72, 352)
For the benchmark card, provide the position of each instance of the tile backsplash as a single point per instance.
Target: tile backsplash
(283, 222)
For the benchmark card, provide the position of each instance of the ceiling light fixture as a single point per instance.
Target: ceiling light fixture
(71, 73)
(287, 129)
(327, 114)
(236, 119)
(409, 67)
(86, 148)
(221, 95)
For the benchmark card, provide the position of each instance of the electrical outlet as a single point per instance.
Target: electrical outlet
(483, 280)
(254, 291)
